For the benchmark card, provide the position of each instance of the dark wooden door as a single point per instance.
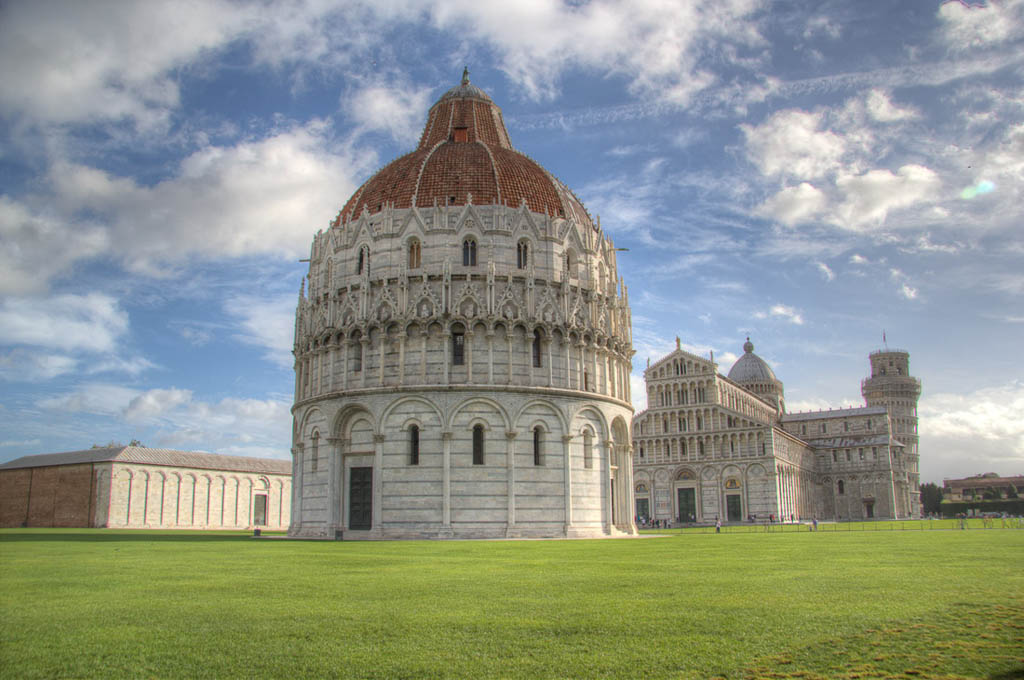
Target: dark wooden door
(734, 507)
(687, 504)
(259, 515)
(360, 498)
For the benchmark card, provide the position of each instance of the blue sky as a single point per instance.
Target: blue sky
(806, 173)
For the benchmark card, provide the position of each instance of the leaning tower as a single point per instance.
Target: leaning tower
(892, 386)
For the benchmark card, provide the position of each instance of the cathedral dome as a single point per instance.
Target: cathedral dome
(465, 155)
(751, 368)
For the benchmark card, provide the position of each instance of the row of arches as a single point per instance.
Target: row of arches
(157, 498)
(689, 420)
(681, 394)
(482, 467)
(463, 353)
(678, 449)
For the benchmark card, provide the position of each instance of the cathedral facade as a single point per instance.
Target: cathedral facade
(714, 447)
(463, 351)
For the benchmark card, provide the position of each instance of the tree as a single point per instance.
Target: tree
(931, 497)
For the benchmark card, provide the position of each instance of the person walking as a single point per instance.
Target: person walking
(718, 526)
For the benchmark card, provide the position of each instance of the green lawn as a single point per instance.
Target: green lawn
(866, 604)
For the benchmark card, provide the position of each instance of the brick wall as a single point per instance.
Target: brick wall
(14, 492)
(58, 496)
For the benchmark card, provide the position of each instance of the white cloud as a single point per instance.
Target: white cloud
(859, 259)
(883, 110)
(28, 365)
(826, 271)
(97, 399)
(660, 44)
(822, 25)
(155, 404)
(36, 247)
(398, 110)
(172, 416)
(794, 204)
(268, 323)
(868, 198)
(263, 197)
(790, 143)
(85, 323)
(971, 25)
(89, 61)
(975, 432)
(785, 312)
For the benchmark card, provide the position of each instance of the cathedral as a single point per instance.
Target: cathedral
(712, 447)
(462, 351)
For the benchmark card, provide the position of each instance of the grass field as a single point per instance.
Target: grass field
(835, 604)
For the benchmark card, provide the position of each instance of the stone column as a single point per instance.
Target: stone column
(490, 356)
(401, 358)
(566, 439)
(423, 355)
(345, 351)
(606, 479)
(364, 342)
(378, 481)
(548, 341)
(334, 476)
(297, 483)
(446, 481)
(380, 357)
(469, 356)
(510, 458)
(447, 352)
(510, 330)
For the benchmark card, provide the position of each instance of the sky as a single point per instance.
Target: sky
(808, 174)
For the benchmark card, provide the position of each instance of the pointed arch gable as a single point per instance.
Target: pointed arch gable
(412, 224)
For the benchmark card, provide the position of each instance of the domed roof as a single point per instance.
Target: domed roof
(465, 151)
(751, 368)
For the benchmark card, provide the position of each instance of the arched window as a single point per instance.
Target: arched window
(842, 487)
(570, 263)
(522, 254)
(363, 263)
(458, 348)
(414, 253)
(469, 253)
(315, 456)
(700, 447)
(478, 445)
(536, 348)
(414, 445)
(588, 450)
(538, 454)
(356, 355)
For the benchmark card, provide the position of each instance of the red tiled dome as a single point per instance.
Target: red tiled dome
(465, 150)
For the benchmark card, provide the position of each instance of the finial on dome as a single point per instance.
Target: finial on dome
(465, 76)
(748, 346)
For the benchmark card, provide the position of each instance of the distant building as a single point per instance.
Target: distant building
(714, 446)
(988, 486)
(138, 487)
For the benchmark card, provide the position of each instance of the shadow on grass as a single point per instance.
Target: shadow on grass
(108, 536)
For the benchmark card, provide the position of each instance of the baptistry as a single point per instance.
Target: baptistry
(462, 351)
